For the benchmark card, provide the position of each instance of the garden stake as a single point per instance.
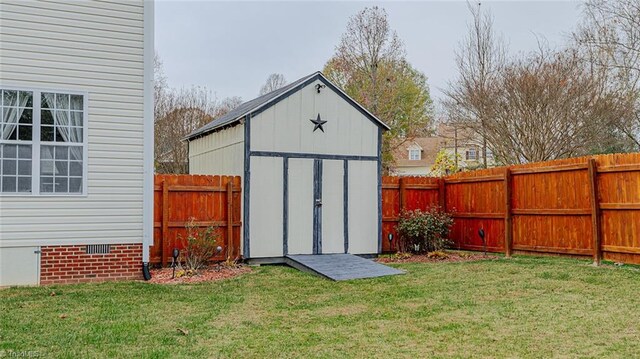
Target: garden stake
(174, 260)
(484, 242)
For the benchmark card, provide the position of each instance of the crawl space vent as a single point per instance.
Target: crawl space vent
(98, 249)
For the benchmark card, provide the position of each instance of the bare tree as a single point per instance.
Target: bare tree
(610, 39)
(274, 82)
(178, 113)
(227, 105)
(186, 111)
(546, 106)
(160, 87)
(479, 59)
(370, 65)
(368, 45)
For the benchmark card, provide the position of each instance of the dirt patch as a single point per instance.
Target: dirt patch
(213, 273)
(451, 256)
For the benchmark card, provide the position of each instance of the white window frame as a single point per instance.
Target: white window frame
(413, 150)
(488, 153)
(36, 143)
(475, 154)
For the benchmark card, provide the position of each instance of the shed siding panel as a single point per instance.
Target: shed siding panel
(333, 207)
(219, 153)
(286, 126)
(265, 211)
(300, 218)
(263, 130)
(97, 48)
(363, 207)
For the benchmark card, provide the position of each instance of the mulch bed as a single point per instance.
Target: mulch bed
(423, 258)
(213, 273)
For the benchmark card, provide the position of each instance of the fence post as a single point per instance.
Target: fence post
(403, 195)
(441, 194)
(508, 224)
(230, 218)
(595, 212)
(165, 222)
(403, 204)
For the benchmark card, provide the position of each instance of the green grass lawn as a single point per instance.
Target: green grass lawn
(522, 307)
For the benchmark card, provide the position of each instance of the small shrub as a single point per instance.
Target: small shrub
(402, 255)
(424, 231)
(438, 255)
(199, 246)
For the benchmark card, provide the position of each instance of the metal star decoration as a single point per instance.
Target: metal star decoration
(318, 122)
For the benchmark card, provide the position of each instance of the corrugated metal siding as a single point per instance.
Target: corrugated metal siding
(96, 47)
(219, 153)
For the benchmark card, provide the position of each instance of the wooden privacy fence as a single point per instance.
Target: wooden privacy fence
(209, 200)
(586, 206)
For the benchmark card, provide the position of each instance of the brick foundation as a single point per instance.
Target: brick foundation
(71, 264)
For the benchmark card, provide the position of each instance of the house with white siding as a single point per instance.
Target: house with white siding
(76, 140)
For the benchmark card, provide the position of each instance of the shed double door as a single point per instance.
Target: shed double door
(316, 206)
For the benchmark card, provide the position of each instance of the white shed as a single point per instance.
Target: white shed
(309, 156)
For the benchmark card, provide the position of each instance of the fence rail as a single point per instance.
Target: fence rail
(208, 200)
(586, 206)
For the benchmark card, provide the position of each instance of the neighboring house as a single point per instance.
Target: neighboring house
(466, 145)
(310, 160)
(417, 156)
(76, 140)
(166, 163)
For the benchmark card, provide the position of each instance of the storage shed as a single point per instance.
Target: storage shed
(309, 156)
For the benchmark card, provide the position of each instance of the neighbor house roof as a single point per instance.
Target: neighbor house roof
(265, 101)
(429, 146)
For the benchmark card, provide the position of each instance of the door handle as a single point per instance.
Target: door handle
(318, 202)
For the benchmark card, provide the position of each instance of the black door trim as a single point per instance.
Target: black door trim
(345, 200)
(317, 206)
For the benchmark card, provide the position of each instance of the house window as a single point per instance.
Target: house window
(42, 142)
(414, 155)
(472, 154)
(489, 154)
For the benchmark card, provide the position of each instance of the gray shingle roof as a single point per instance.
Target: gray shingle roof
(265, 100)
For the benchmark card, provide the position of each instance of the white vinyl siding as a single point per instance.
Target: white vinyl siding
(94, 47)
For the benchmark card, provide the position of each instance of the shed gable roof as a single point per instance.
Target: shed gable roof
(265, 101)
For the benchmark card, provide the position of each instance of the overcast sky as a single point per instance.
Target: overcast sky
(231, 47)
